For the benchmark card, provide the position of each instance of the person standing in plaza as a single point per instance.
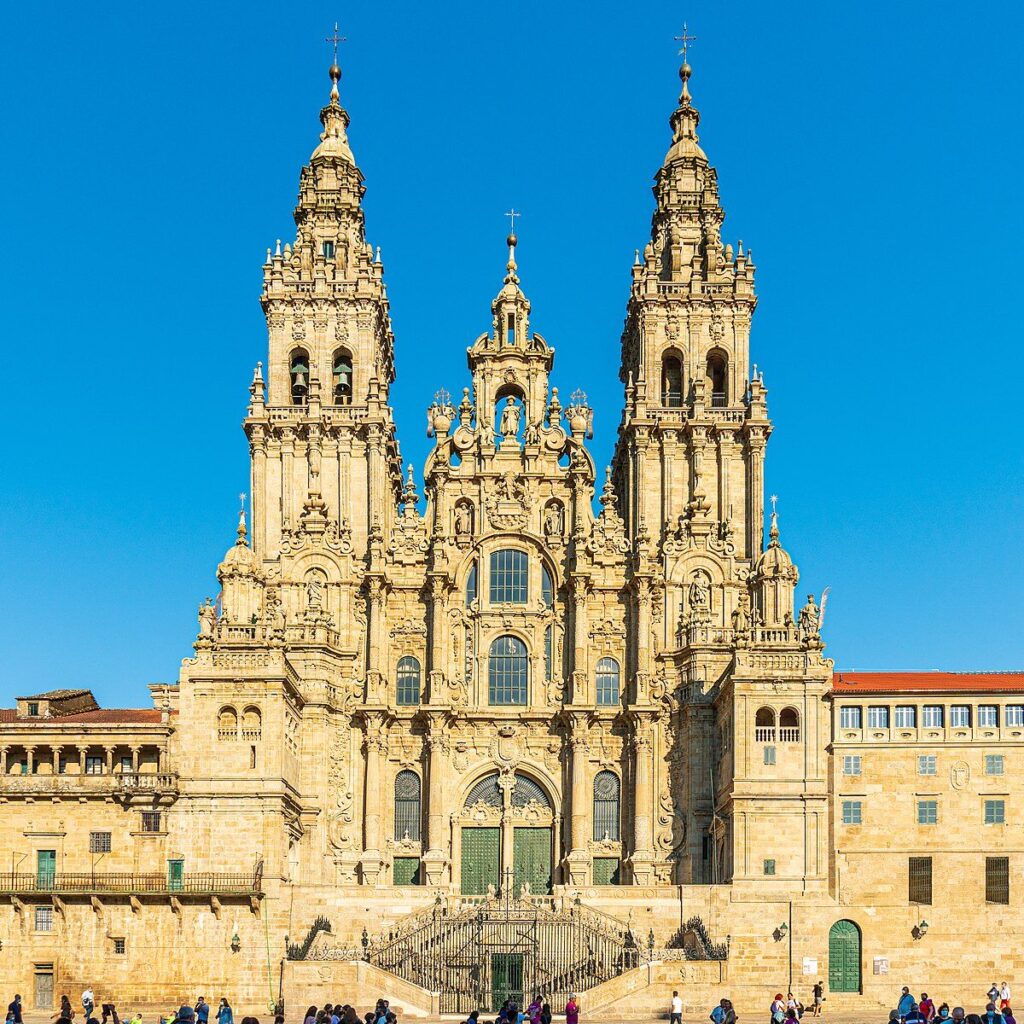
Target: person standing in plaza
(906, 1003)
(224, 1014)
(572, 1011)
(926, 1006)
(818, 992)
(88, 1002)
(14, 1010)
(1004, 995)
(777, 1011)
(993, 993)
(991, 1015)
(675, 1013)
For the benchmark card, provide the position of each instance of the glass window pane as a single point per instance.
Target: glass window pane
(547, 591)
(607, 681)
(878, 718)
(926, 764)
(407, 807)
(507, 671)
(509, 577)
(995, 812)
(927, 812)
(993, 764)
(906, 716)
(1014, 714)
(932, 716)
(988, 716)
(471, 585)
(408, 681)
(851, 812)
(850, 717)
(851, 764)
(606, 806)
(960, 716)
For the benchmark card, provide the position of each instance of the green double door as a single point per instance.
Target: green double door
(531, 859)
(481, 860)
(844, 957)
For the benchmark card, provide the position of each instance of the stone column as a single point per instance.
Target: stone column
(81, 759)
(435, 858)
(109, 751)
(30, 760)
(643, 851)
(287, 484)
(55, 753)
(435, 665)
(580, 621)
(580, 824)
(374, 745)
(135, 759)
(755, 490)
(258, 484)
(643, 633)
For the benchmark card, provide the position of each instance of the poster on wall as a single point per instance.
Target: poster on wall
(881, 965)
(810, 965)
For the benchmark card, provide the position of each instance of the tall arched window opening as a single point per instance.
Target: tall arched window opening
(718, 366)
(606, 806)
(607, 681)
(407, 806)
(547, 591)
(342, 371)
(672, 382)
(507, 672)
(471, 585)
(299, 376)
(789, 725)
(764, 725)
(408, 681)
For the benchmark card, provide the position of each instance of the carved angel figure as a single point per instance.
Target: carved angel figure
(207, 619)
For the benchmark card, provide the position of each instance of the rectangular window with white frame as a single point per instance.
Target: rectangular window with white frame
(1013, 714)
(44, 919)
(988, 716)
(906, 716)
(932, 716)
(994, 764)
(851, 764)
(850, 716)
(94, 765)
(852, 812)
(927, 812)
(960, 716)
(878, 717)
(926, 764)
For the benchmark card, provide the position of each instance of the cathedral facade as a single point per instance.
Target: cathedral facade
(550, 678)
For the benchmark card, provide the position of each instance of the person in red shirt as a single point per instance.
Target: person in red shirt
(926, 1006)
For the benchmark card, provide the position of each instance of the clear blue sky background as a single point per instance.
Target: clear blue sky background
(869, 153)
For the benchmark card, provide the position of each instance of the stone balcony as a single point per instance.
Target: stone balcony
(145, 787)
(200, 884)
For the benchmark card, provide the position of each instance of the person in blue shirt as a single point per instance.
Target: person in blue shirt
(906, 1003)
(718, 1013)
(991, 1015)
(202, 1011)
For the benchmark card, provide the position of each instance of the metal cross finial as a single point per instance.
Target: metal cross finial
(512, 214)
(774, 499)
(335, 39)
(685, 39)
(241, 498)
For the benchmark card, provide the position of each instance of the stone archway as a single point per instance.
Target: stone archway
(507, 832)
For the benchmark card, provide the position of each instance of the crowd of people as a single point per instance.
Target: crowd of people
(185, 1014)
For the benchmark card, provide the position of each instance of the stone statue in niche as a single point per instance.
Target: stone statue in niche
(315, 594)
(741, 616)
(463, 520)
(553, 526)
(509, 425)
(699, 597)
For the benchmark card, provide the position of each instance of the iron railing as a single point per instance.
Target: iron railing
(97, 883)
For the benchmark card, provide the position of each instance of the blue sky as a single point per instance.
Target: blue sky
(869, 154)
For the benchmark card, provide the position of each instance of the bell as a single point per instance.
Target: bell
(299, 384)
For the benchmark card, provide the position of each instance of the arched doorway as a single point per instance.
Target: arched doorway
(844, 957)
(507, 836)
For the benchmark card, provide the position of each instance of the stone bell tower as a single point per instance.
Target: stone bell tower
(322, 435)
(713, 611)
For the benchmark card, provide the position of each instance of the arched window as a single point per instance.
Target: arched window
(299, 371)
(764, 725)
(342, 377)
(607, 681)
(471, 585)
(509, 577)
(789, 725)
(672, 382)
(252, 723)
(507, 671)
(407, 806)
(227, 724)
(606, 806)
(486, 791)
(547, 591)
(408, 681)
(526, 791)
(718, 366)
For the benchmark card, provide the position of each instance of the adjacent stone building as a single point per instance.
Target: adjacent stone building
(508, 690)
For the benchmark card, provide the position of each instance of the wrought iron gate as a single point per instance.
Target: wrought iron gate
(504, 947)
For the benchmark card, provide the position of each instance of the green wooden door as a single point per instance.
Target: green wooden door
(844, 957)
(481, 853)
(506, 979)
(175, 875)
(531, 858)
(46, 868)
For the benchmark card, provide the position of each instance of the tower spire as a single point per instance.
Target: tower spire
(334, 117)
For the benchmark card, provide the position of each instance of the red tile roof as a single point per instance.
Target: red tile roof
(932, 682)
(101, 716)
